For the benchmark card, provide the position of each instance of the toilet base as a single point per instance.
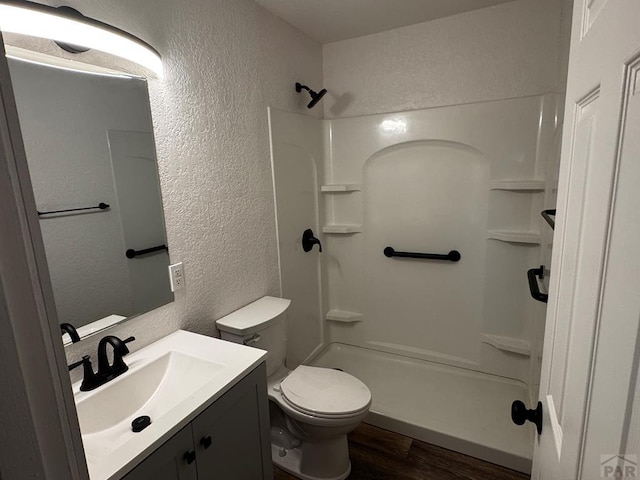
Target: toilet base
(291, 460)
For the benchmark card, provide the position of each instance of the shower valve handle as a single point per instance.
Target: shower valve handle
(309, 240)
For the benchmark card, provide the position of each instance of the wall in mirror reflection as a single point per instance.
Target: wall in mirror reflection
(89, 140)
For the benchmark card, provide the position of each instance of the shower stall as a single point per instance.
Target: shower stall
(445, 341)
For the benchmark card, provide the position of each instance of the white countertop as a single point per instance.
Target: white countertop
(126, 449)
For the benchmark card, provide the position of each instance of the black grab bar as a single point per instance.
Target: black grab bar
(452, 256)
(533, 275)
(131, 253)
(101, 206)
(547, 214)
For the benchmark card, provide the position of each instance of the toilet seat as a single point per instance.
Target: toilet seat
(325, 393)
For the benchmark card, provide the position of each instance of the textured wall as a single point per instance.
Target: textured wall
(506, 51)
(225, 62)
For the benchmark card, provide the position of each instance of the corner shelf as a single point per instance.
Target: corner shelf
(508, 344)
(531, 238)
(518, 185)
(343, 316)
(342, 229)
(339, 188)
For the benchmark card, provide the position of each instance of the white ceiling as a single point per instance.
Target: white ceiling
(332, 20)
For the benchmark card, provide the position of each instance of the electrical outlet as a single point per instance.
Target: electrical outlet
(176, 276)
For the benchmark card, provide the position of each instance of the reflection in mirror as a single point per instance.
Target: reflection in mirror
(91, 156)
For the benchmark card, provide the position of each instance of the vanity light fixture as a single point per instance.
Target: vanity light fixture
(67, 26)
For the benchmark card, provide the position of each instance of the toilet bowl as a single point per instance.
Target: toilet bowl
(312, 409)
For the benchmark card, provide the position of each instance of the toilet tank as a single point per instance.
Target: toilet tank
(261, 324)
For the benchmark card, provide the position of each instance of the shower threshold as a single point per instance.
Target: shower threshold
(455, 408)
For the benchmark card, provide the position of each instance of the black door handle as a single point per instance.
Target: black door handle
(520, 414)
(190, 457)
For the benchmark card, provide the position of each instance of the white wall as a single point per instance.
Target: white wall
(298, 155)
(510, 50)
(73, 112)
(225, 62)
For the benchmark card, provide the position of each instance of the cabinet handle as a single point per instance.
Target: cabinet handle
(190, 457)
(206, 442)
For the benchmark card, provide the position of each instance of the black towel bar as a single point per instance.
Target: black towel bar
(452, 256)
(131, 253)
(533, 275)
(100, 206)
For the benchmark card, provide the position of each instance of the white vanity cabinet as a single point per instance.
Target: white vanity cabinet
(228, 441)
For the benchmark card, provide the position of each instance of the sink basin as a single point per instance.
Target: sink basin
(171, 381)
(152, 389)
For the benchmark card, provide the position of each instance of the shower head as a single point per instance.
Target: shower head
(315, 96)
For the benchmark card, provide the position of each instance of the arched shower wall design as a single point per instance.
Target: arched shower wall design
(427, 196)
(497, 154)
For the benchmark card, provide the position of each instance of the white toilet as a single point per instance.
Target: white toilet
(312, 409)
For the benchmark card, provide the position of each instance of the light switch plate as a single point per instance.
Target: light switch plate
(176, 276)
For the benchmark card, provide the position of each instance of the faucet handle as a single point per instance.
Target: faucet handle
(89, 380)
(118, 366)
(125, 349)
(85, 359)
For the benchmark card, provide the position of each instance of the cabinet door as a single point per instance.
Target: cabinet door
(169, 462)
(232, 436)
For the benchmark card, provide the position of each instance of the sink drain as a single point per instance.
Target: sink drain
(140, 423)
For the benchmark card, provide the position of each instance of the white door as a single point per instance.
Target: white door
(589, 363)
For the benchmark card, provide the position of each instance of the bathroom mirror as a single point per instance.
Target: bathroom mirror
(91, 154)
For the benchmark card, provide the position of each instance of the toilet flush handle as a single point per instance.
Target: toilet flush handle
(252, 339)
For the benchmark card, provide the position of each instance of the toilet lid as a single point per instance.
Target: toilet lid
(325, 391)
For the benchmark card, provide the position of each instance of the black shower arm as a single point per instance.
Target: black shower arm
(300, 87)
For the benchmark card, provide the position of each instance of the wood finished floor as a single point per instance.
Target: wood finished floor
(378, 454)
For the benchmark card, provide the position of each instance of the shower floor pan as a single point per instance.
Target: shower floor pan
(455, 408)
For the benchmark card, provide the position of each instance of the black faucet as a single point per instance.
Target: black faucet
(71, 330)
(309, 240)
(106, 372)
(117, 367)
